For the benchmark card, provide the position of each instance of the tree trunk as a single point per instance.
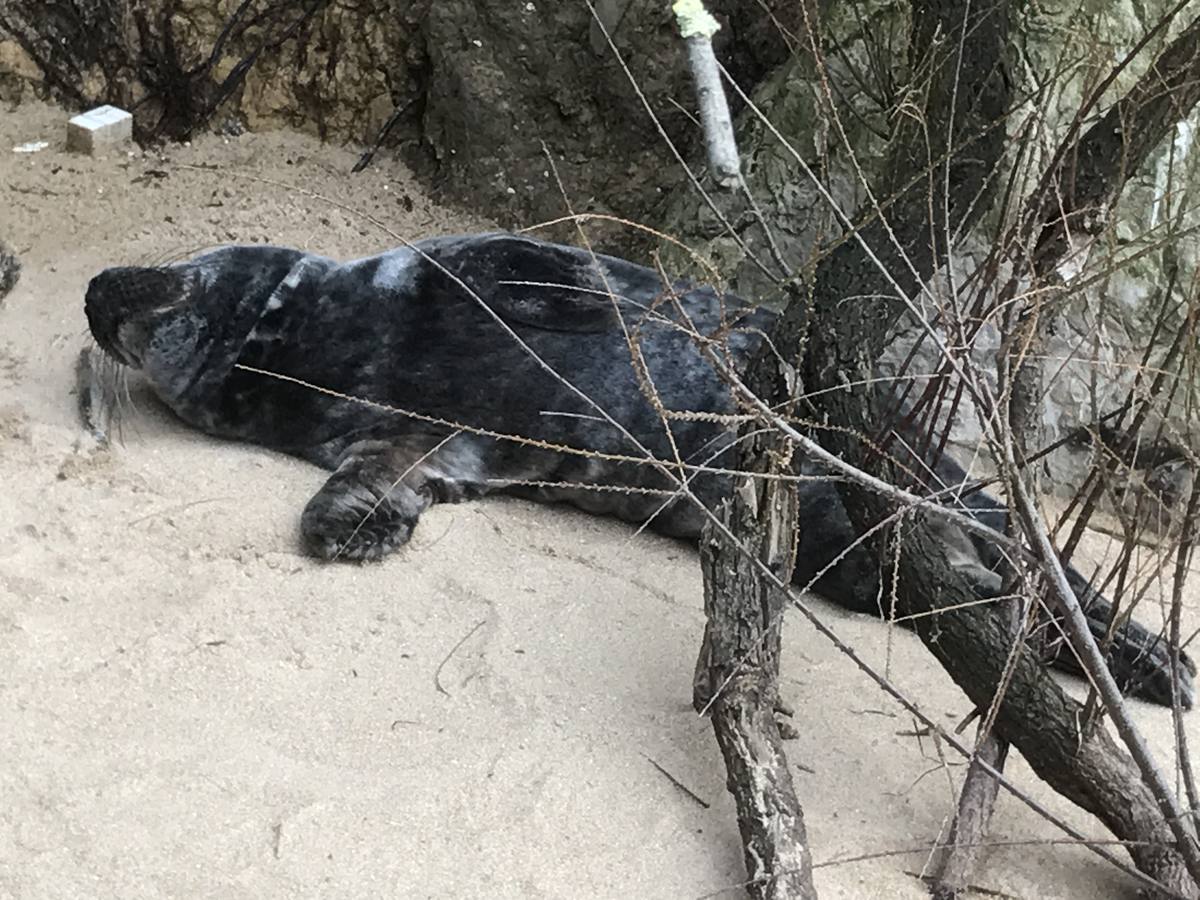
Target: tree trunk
(736, 681)
(858, 294)
(1035, 716)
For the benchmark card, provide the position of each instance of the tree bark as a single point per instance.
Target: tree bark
(736, 682)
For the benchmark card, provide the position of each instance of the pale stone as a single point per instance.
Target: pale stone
(99, 129)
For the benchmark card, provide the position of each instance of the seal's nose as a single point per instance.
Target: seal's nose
(102, 312)
(125, 294)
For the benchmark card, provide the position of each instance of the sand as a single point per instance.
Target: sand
(191, 708)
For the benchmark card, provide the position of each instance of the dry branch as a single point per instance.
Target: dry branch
(736, 681)
(741, 642)
(1021, 386)
(697, 28)
(954, 860)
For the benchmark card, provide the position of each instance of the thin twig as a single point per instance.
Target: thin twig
(437, 675)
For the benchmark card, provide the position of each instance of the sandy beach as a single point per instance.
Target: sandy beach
(192, 708)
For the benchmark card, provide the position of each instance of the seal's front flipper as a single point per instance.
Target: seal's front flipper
(371, 503)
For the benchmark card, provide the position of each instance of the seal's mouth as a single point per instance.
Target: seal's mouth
(123, 303)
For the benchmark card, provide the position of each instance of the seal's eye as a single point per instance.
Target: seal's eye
(129, 295)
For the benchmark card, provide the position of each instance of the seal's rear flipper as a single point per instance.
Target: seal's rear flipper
(371, 503)
(1139, 659)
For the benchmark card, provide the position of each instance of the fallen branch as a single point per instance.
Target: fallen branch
(737, 681)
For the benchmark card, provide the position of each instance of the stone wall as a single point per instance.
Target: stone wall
(486, 89)
(329, 67)
(1096, 353)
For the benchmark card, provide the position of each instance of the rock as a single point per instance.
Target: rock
(98, 130)
(10, 270)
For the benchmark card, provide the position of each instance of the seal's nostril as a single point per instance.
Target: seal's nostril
(104, 308)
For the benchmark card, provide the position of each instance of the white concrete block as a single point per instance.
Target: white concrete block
(99, 129)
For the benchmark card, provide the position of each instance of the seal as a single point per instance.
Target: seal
(468, 365)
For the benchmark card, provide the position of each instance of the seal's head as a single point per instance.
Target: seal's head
(185, 325)
(152, 319)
